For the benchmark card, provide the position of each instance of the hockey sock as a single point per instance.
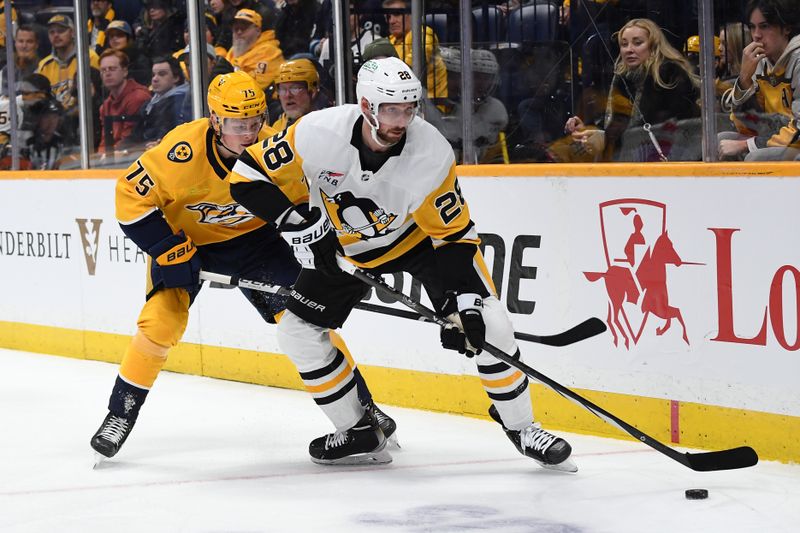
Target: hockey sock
(126, 399)
(364, 395)
(143, 361)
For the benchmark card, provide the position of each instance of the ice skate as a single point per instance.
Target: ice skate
(362, 444)
(110, 437)
(386, 423)
(548, 450)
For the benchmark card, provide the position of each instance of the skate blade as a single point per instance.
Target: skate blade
(365, 459)
(392, 442)
(98, 460)
(567, 465)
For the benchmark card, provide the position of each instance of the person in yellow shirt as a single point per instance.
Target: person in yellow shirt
(399, 20)
(174, 202)
(254, 51)
(61, 65)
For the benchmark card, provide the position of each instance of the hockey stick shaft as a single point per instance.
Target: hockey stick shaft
(586, 329)
(705, 461)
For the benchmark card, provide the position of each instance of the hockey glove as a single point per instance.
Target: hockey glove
(468, 335)
(175, 264)
(313, 241)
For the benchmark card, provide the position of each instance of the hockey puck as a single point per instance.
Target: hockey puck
(696, 494)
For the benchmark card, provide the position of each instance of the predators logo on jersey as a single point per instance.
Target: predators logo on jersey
(181, 152)
(223, 215)
(358, 217)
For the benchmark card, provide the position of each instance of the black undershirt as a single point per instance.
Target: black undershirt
(370, 160)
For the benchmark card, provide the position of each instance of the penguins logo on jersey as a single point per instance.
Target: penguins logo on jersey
(359, 217)
(180, 153)
(223, 215)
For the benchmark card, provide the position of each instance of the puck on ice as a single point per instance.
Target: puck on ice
(696, 494)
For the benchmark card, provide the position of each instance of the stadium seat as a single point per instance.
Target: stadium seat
(489, 28)
(532, 23)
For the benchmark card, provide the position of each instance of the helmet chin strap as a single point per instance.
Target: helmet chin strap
(373, 129)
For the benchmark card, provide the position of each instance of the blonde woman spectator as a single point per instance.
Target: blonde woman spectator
(652, 83)
(770, 72)
(733, 37)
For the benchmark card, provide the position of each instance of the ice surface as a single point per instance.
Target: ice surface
(210, 455)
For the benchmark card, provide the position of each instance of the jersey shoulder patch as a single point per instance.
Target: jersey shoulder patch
(180, 153)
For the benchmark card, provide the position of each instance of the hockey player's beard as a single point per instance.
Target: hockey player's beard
(391, 136)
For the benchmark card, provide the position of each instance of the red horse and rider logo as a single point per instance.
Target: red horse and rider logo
(637, 251)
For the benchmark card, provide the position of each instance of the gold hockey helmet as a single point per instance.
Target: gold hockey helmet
(693, 45)
(299, 70)
(236, 95)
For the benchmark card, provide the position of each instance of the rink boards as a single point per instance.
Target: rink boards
(710, 247)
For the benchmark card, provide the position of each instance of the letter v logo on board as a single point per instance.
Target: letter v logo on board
(90, 239)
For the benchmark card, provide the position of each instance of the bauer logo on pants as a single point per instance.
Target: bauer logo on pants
(90, 238)
(638, 254)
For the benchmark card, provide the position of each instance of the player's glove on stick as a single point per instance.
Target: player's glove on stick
(175, 264)
(313, 241)
(470, 334)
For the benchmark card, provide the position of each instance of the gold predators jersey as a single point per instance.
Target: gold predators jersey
(186, 179)
(378, 216)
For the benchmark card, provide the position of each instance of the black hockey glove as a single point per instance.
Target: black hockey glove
(469, 336)
(175, 264)
(314, 241)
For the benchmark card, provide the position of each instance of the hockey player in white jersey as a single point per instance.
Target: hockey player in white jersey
(381, 190)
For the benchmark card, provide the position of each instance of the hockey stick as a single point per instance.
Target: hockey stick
(733, 458)
(586, 329)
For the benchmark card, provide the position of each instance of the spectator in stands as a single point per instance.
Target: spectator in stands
(60, 68)
(692, 50)
(102, 15)
(161, 31)
(254, 51)
(770, 72)
(297, 86)
(119, 111)
(399, 21)
(294, 24)
(733, 37)
(232, 7)
(14, 17)
(46, 147)
(653, 83)
(119, 36)
(363, 31)
(162, 112)
(26, 45)
(34, 88)
(489, 115)
(216, 65)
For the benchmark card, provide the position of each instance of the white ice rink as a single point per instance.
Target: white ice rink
(209, 455)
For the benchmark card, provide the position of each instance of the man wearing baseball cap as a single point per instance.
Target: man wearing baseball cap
(254, 51)
(61, 65)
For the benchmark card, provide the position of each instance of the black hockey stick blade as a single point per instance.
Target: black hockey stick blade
(732, 459)
(585, 330)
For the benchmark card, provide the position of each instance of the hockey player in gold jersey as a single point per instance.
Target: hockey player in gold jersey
(174, 202)
(384, 181)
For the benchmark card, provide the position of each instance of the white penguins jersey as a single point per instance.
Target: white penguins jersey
(378, 216)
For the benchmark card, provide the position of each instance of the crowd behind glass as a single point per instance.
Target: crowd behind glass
(553, 81)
